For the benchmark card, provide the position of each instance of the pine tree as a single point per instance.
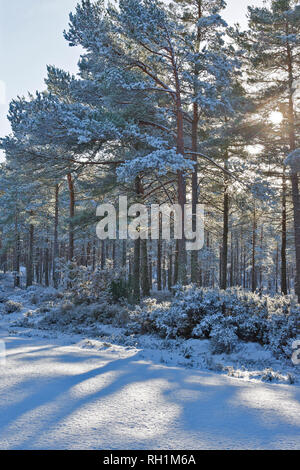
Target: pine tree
(273, 49)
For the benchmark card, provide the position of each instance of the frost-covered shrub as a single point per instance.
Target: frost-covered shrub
(38, 294)
(11, 306)
(225, 317)
(207, 324)
(50, 294)
(104, 312)
(85, 285)
(282, 331)
(223, 339)
(68, 314)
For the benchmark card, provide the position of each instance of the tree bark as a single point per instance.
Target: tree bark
(159, 253)
(71, 214)
(145, 270)
(253, 278)
(294, 176)
(195, 123)
(137, 253)
(30, 271)
(55, 245)
(46, 264)
(17, 253)
(283, 239)
(224, 257)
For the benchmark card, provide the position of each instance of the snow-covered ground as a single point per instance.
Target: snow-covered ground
(63, 391)
(55, 395)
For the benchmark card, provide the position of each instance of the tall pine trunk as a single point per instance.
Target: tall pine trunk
(195, 123)
(294, 177)
(159, 256)
(283, 239)
(224, 257)
(17, 253)
(55, 245)
(253, 276)
(71, 215)
(137, 253)
(144, 268)
(29, 270)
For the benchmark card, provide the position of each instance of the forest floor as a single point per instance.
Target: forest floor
(64, 391)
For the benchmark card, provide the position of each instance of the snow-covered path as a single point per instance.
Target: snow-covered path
(59, 396)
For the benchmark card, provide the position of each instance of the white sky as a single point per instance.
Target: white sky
(31, 37)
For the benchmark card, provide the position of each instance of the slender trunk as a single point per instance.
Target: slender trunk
(261, 258)
(283, 239)
(294, 177)
(150, 264)
(181, 266)
(224, 257)
(124, 253)
(71, 214)
(88, 254)
(46, 264)
(164, 272)
(296, 202)
(130, 272)
(55, 246)
(144, 268)
(231, 260)
(29, 271)
(94, 256)
(170, 270)
(237, 262)
(195, 253)
(103, 255)
(136, 271)
(176, 261)
(276, 268)
(244, 268)
(253, 279)
(37, 270)
(137, 253)
(17, 253)
(195, 123)
(159, 255)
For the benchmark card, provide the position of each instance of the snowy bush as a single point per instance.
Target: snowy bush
(282, 331)
(68, 314)
(225, 317)
(85, 285)
(38, 294)
(11, 306)
(223, 340)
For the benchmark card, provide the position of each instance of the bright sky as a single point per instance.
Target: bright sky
(31, 37)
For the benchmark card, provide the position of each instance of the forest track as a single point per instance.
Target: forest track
(55, 395)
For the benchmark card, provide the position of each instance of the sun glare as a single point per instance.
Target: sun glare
(276, 117)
